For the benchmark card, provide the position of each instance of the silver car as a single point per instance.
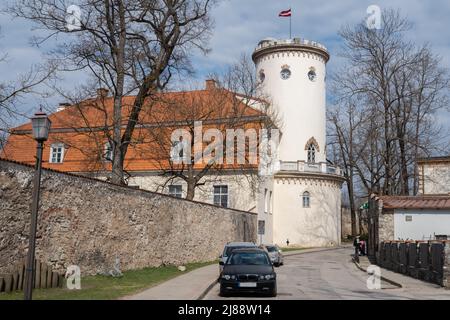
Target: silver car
(230, 246)
(275, 254)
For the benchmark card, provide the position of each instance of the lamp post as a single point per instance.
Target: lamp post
(41, 127)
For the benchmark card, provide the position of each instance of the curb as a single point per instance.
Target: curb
(382, 278)
(208, 289)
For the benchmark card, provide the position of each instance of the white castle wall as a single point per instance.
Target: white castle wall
(316, 226)
(300, 101)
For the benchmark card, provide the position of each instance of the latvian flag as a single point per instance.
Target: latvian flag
(286, 13)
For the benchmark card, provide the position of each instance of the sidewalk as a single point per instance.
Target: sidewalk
(392, 280)
(194, 284)
(189, 286)
(301, 251)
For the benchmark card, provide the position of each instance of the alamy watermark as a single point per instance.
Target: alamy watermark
(239, 146)
(373, 19)
(374, 280)
(73, 18)
(73, 276)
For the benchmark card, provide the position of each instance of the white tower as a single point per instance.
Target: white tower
(307, 190)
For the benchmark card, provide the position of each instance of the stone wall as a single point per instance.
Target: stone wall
(90, 223)
(386, 225)
(434, 178)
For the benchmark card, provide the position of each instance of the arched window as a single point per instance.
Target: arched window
(306, 199)
(311, 153)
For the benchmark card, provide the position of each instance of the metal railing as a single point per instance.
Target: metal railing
(302, 166)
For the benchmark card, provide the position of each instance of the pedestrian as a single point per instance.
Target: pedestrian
(363, 247)
(287, 242)
(357, 245)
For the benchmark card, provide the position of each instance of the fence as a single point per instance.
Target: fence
(424, 260)
(44, 278)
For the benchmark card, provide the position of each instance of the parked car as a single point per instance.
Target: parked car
(248, 270)
(229, 247)
(275, 254)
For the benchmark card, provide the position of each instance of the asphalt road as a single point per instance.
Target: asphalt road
(330, 275)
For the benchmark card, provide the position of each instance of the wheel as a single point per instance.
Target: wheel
(222, 292)
(274, 292)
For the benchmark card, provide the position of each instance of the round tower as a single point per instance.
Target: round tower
(293, 74)
(306, 188)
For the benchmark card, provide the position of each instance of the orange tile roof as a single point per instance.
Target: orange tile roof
(82, 129)
(416, 202)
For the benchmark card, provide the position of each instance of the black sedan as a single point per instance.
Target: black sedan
(248, 270)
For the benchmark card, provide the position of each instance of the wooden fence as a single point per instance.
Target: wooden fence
(44, 278)
(424, 260)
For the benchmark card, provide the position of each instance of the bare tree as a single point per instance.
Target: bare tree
(386, 95)
(12, 93)
(397, 86)
(125, 45)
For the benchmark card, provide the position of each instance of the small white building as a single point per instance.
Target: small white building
(413, 217)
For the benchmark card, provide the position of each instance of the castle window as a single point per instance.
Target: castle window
(311, 153)
(176, 191)
(306, 199)
(221, 196)
(56, 153)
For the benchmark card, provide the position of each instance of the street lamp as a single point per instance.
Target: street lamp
(41, 127)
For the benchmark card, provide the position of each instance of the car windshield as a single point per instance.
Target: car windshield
(272, 248)
(228, 250)
(248, 258)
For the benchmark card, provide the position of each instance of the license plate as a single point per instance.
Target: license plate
(247, 284)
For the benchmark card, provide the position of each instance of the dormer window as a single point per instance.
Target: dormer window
(56, 153)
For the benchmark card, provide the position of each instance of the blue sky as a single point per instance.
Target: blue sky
(240, 24)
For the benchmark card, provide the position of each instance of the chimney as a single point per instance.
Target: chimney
(210, 84)
(102, 92)
(62, 106)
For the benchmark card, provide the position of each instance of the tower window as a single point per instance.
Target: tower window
(311, 153)
(285, 72)
(312, 74)
(262, 76)
(306, 199)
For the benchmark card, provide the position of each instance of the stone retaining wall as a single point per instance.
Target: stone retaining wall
(90, 223)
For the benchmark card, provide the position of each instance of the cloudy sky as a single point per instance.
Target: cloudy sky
(240, 24)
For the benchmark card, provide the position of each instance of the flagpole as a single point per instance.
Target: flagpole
(290, 26)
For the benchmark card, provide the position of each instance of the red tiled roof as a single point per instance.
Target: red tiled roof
(434, 159)
(73, 125)
(416, 202)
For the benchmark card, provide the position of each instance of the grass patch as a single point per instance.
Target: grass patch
(100, 287)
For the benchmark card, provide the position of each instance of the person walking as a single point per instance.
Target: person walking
(357, 245)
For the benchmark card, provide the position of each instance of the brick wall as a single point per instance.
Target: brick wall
(90, 223)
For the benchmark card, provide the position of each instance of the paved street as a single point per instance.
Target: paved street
(332, 275)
